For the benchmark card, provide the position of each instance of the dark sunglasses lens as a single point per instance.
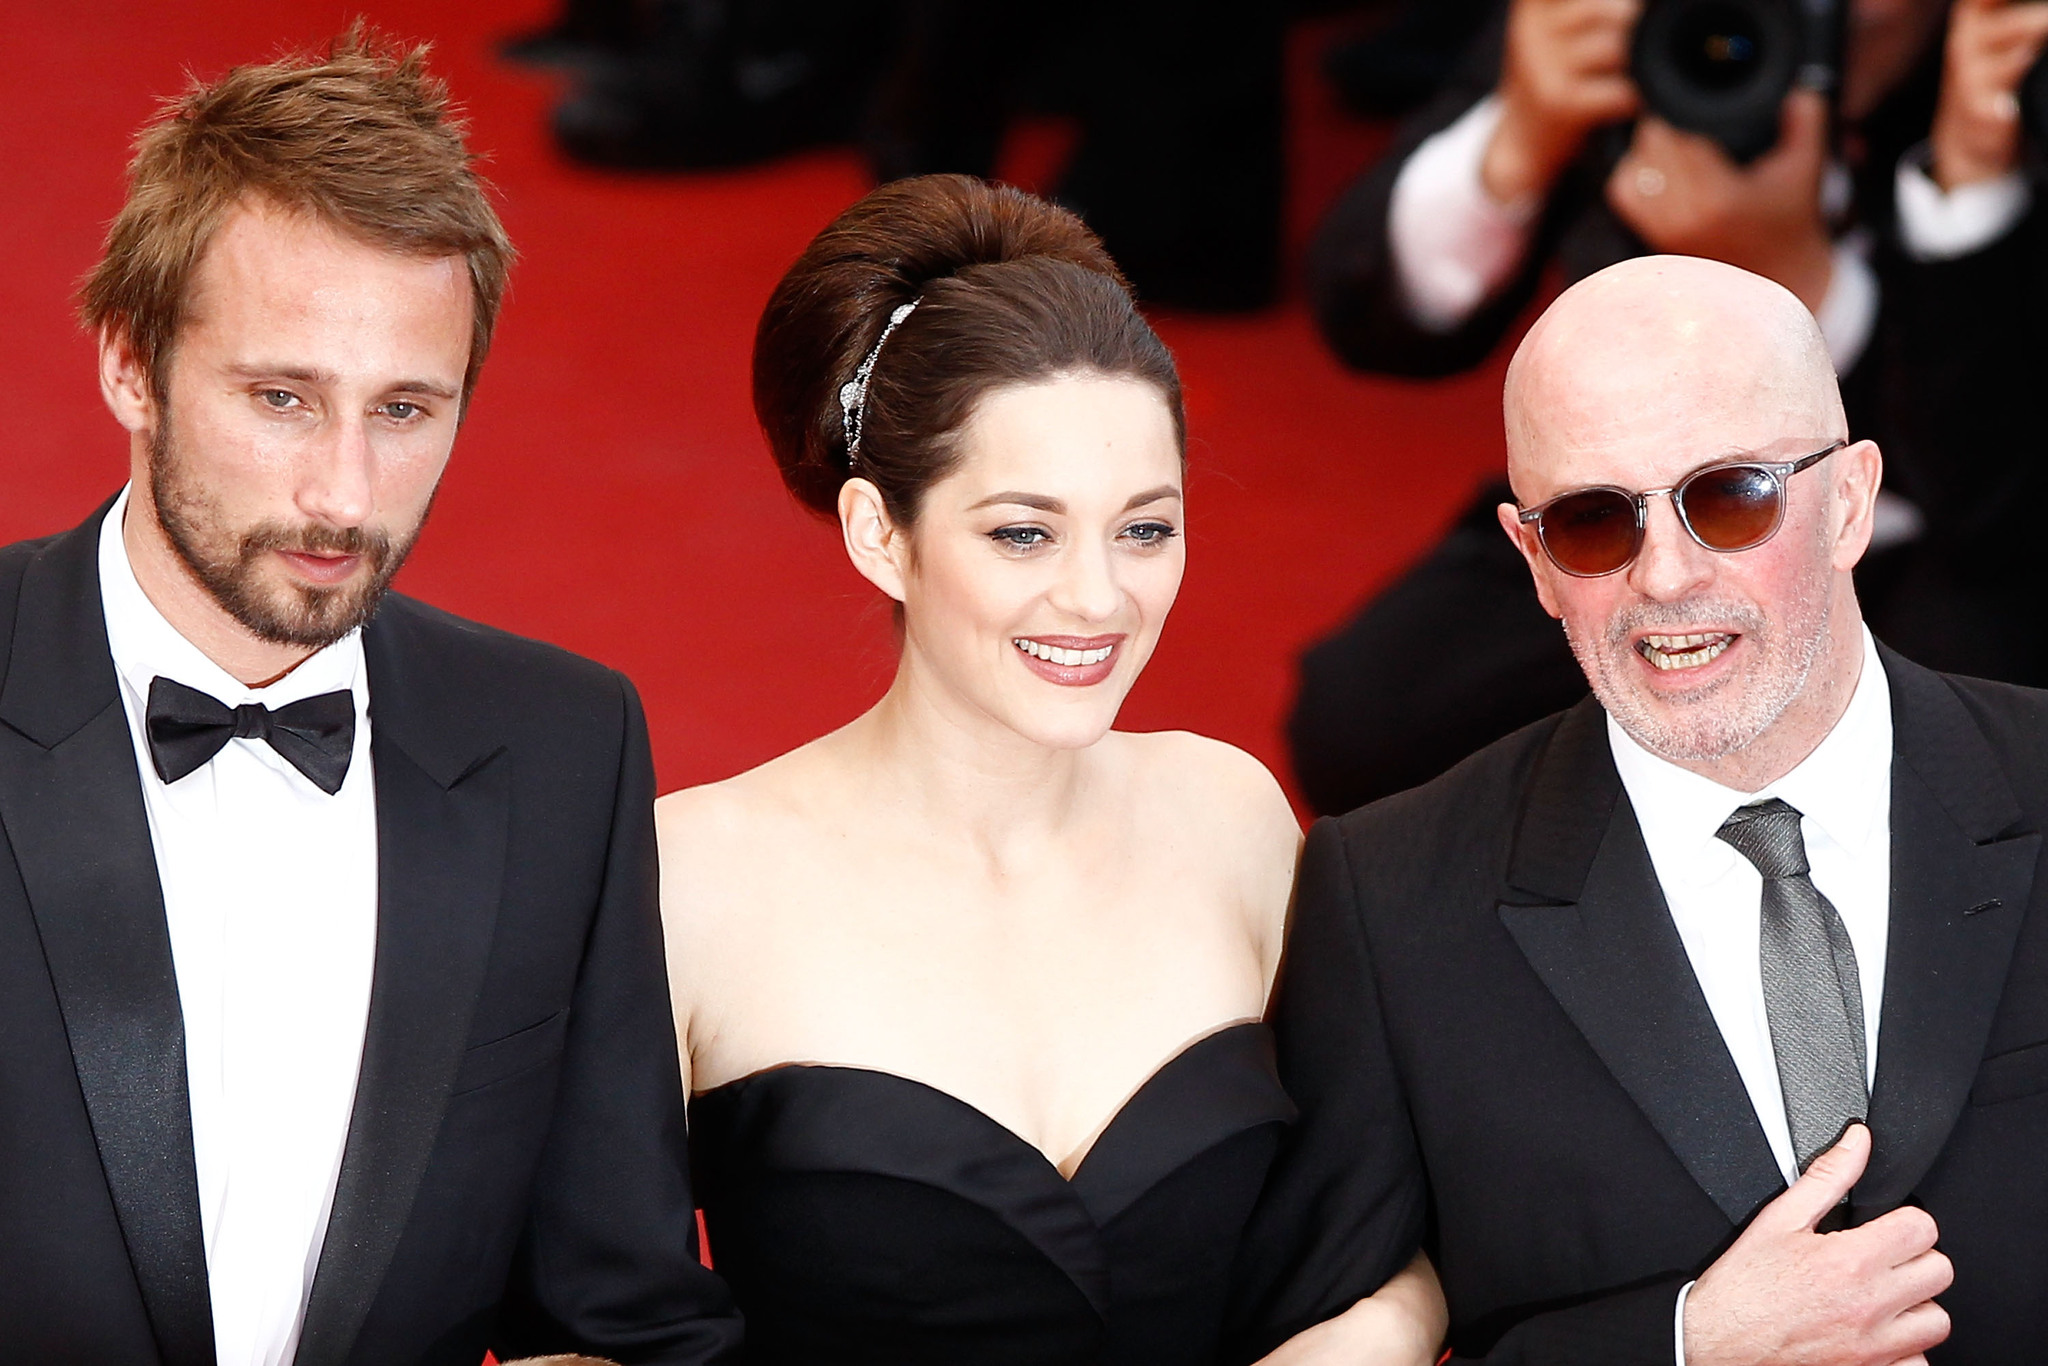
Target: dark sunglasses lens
(1733, 508)
(1590, 533)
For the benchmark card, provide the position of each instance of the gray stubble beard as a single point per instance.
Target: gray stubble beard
(1720, 725)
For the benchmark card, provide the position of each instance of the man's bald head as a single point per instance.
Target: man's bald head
(1665, 345)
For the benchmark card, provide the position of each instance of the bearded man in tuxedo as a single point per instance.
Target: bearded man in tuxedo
(1685, 1023)
(330, 972)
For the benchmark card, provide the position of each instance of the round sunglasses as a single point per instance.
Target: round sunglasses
(1737, 506)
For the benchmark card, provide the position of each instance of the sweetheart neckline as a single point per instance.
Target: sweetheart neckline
(1102, 1132)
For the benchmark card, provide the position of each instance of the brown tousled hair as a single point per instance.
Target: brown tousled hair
(362, 138)
(1010, 290)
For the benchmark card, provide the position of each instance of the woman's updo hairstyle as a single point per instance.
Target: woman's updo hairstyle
(1009, 290)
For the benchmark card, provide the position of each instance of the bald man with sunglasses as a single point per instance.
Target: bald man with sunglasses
(1706, 1021)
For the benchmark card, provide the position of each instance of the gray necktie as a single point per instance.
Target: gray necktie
(1812, 994)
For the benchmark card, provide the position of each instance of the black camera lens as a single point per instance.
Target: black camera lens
(1724, 67)
(1718, 47)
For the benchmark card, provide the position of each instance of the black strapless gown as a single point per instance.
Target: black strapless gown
(863, 1217)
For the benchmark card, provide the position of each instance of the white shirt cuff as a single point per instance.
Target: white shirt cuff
(1678, 1325)
(1848, 313)
(1939, 226)
(1453, 244)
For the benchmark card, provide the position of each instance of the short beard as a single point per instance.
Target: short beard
(225, 561)
(1728, 716)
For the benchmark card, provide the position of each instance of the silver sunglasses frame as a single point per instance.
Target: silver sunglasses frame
(1780, 472)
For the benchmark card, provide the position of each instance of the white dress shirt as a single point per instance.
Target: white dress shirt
(1940, 225)
(1715, 895)
(1454, 246)
(270, 891)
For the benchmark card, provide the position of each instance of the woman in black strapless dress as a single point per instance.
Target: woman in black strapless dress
(970, 989)
(862, 1216)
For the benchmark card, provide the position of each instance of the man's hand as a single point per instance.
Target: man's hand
(1991, 46)
(1681, 194)
(1786, 1294)
(1564, 74)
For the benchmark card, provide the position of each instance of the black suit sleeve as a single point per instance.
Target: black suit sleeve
(1965, 341)
(612, 1237)
(1632, 1327)
(1343, 1208)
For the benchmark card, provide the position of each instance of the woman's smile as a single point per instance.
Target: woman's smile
(1071, 661)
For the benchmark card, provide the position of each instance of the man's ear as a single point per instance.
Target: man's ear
(1859, 473)
(1524, 537)
(125, 382)
(879, 548)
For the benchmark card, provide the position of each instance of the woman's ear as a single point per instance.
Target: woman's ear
(879, 549)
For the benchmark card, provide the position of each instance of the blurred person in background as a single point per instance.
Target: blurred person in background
(1903, 218)
(584, 31)
(1179, 164)
(971, 990)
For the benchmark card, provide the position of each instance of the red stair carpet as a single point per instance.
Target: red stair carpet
(611, 493)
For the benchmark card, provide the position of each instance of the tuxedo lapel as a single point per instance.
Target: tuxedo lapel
(442, 808)
(1962, 875)
(1602, 941)
(71, 801)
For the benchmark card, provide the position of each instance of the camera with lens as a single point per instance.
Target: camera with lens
(1722, 68)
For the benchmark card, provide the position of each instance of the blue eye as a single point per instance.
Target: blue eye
(1021, 536)
(401, 410)
(1151, 533)
(279, 399)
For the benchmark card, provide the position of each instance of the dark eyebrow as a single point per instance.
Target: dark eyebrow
(301, 373)
(1043, 503)
(431, 388)
(1152, 496)
(1029, 500)
(308, 375)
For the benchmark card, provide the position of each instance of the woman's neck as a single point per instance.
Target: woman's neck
(948, 766)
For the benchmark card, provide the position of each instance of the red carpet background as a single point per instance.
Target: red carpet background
(611, 493)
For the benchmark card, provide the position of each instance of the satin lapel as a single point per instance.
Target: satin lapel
(1606, 948)
(442, 809)
(1962, 876)
(71, 801)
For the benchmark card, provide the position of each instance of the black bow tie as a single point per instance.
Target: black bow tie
(187, 728)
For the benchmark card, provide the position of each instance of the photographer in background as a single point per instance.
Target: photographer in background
(1179, 164)
(1901, 217)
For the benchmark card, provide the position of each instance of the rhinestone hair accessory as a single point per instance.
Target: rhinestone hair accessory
(853, 395)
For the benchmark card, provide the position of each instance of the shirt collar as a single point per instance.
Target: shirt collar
(1843, 787)
(145, 645)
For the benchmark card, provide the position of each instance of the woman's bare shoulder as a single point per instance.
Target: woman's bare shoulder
(1212, 782)
(1230, 813)
(740, 806)
(717, 839)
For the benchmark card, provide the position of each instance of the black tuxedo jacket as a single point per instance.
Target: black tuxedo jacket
(514, 1176)
(1498, 1046)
